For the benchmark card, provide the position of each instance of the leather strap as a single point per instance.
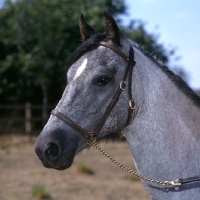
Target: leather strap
(122, 87)
(131, 101)
(129, 71)
(116, 95)
(115, 49)
(188, 180)
(67, 120)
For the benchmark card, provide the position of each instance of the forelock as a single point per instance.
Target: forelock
(88, 45)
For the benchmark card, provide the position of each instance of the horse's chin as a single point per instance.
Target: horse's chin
(64, 166)
(67, 161)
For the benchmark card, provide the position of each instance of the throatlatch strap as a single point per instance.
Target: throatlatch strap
(131, 101)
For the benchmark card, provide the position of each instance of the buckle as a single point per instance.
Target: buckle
(123, 85)
(175, 183)
(132, 104)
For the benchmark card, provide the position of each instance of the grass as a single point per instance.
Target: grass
(82, 168)
(39, 192)
(132, 178)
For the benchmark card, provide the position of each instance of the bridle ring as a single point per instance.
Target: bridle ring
(123, 85)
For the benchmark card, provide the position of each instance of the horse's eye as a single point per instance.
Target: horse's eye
(102, 80)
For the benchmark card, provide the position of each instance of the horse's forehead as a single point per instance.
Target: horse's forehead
(81, 68)
(90, 61)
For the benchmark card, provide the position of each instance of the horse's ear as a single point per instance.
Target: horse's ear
(111, 28)
(85, 29)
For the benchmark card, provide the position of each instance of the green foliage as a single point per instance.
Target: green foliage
(132, 178)
(37, 38)
(39, 192)
(84, 169)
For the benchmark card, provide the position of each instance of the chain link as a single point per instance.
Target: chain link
(163, 183)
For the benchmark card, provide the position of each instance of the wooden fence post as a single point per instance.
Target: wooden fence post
(44, 114)
(28, 118)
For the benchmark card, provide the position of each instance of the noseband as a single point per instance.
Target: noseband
(122, 87)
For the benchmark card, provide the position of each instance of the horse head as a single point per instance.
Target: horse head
(96, 82)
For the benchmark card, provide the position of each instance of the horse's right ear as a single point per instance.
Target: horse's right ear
(111, 28)
(85, 29)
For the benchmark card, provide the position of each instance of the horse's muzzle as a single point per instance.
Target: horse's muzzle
(56, 150)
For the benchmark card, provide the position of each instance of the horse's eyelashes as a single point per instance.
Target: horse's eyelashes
(102, 80)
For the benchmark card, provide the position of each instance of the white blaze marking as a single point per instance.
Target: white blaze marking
(81, 68)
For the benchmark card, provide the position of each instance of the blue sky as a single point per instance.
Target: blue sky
(177, 23)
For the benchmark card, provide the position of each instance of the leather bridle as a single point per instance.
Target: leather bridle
(122, 87)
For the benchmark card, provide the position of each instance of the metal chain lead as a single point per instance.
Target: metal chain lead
(163, 183)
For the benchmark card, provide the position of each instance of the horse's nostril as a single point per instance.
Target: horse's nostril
(52, 152)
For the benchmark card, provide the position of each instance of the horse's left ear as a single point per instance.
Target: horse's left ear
(111, 28)
(85, 29)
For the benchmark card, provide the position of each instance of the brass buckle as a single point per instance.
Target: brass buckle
(123, 85)
(175, 183)
(132, 104)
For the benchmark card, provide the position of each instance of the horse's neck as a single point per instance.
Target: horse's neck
(164, 136)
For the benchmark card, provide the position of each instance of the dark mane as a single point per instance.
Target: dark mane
(177, 80)
(182, 85)
(88, 45)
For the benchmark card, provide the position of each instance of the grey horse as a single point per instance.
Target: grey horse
(162, 130)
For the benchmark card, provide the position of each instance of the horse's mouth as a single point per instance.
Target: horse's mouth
(69, 160)
(54, 165)
(64, 165)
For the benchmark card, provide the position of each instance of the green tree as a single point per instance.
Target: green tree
(36, 40)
